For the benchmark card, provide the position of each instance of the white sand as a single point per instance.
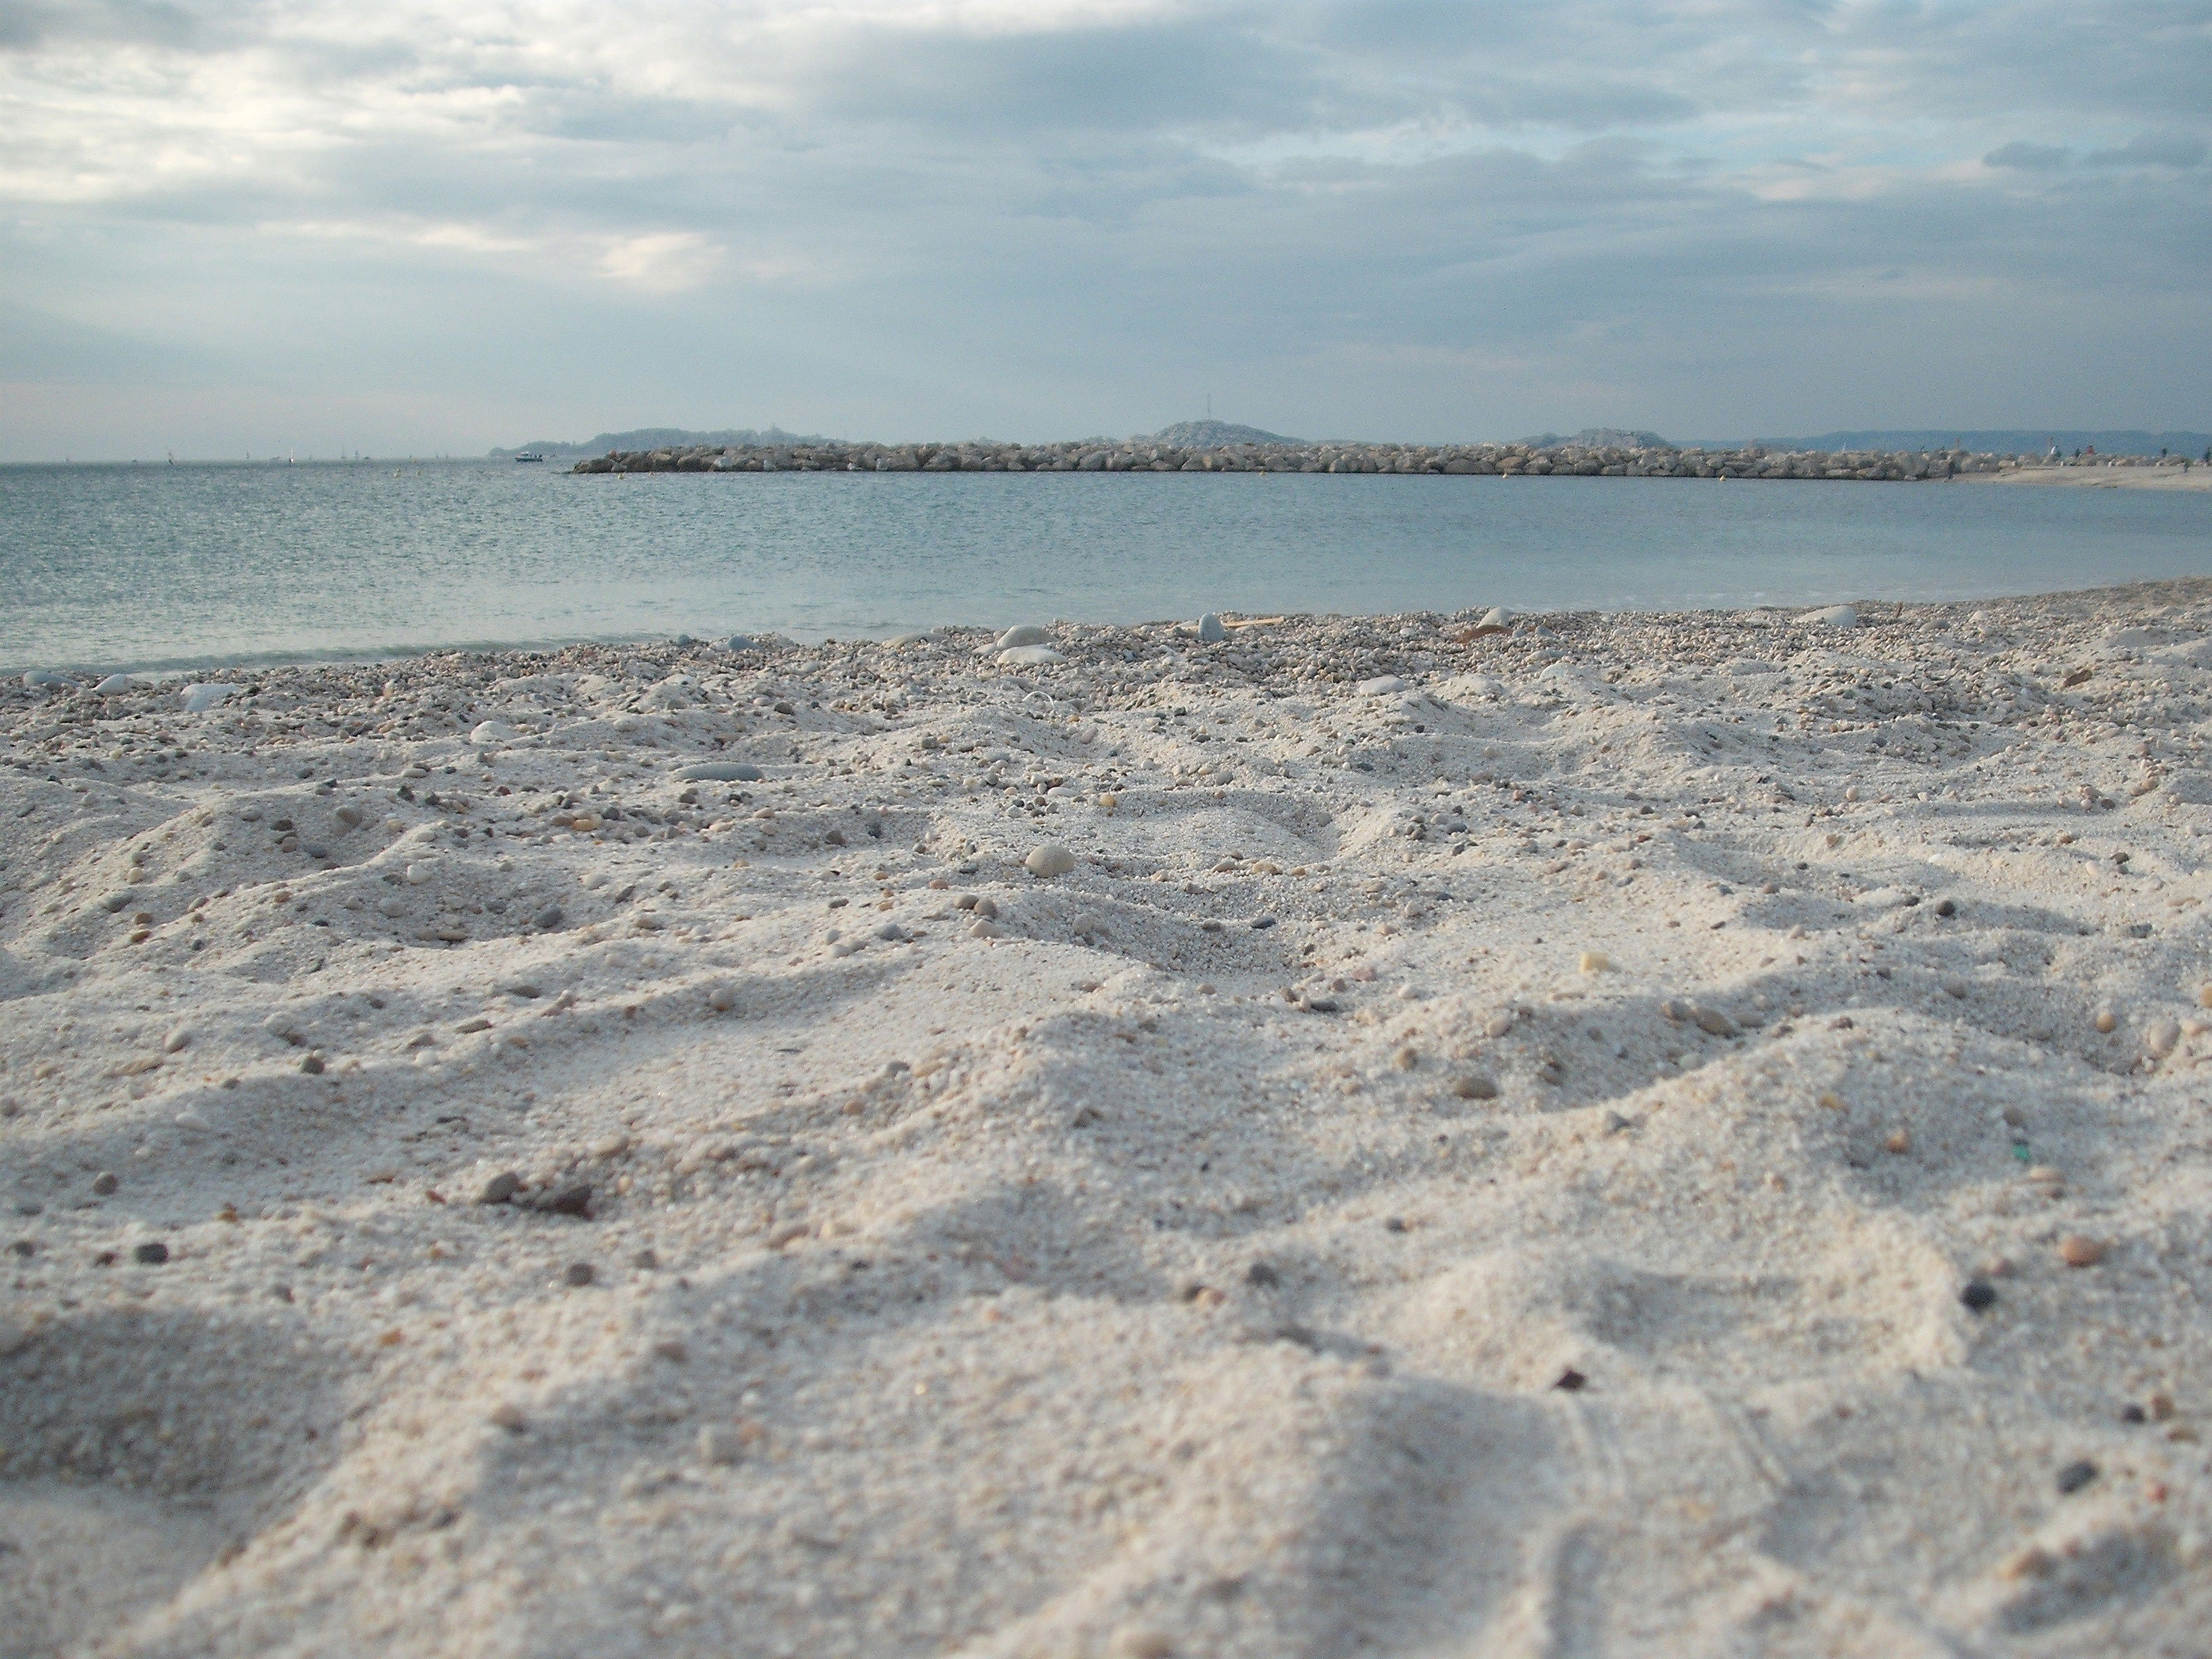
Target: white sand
(2171, 479)
(1138, 1281)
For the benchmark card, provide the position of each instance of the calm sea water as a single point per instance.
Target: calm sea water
(148, 567)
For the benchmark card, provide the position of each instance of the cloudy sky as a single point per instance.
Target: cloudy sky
(311, 225)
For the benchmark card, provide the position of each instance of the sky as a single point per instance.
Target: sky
(299, 225)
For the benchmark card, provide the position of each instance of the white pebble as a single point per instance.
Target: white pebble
(1050, 859)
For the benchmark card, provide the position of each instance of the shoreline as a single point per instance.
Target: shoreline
(1116, 1142)
(80, 676)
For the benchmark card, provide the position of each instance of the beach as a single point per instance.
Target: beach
(1573, 1134)
(2134, 475)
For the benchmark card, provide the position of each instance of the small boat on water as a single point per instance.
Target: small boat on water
(529, 455)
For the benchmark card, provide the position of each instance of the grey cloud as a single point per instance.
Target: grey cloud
(1404, 219)
(2152, 150)
(2029, 158)
(28, 24)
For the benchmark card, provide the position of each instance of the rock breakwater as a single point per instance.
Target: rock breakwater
(1151, 455)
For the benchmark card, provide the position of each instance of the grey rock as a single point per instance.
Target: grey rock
(1209, 630)
(718, 772)
(500, 1189)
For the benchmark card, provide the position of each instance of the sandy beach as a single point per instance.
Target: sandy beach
(1585, 1135)
(2171, 479)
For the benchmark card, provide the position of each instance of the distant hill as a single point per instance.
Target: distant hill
(1215, 435)
(654, 437)
(1601, 437)
(2022, 440)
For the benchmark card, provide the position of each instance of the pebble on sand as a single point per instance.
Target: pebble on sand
(2075, 1476)
(1209, 630)
(1031, 656)
(198, 699)
(718, 772)
(1022, 633)
(1596, 962)
(2077, 1250)
(721, 1444)
(1050, 859)
(1834, 616)
(115, 685)
(500, 1189)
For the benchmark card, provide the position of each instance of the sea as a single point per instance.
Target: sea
(187, 568)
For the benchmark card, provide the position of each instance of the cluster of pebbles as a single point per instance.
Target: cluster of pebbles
(1255, 1136)
(1565, 459)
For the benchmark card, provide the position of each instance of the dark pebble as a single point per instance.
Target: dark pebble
(2133, 1414)
(1573, 1381)
(29, 1206)
(500, 1188)
(548, 919)
(569, 1200)
(312, 1065)
(25, 1248)
(1979, 1295)
(1262, 1274)
(1946, 908)
(152, 1254)
(1262, 924)
(2075, 1476)
(579, 1273)
(105, 1183)
(645, 1261)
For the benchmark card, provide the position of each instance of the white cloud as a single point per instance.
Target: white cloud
(667, 262)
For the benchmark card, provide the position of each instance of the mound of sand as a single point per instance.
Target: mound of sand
(1611, 1134)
